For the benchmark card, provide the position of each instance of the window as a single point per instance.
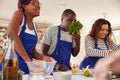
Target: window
(116, 36)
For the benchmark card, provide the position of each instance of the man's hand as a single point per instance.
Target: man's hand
(76, 37)
(61, 67)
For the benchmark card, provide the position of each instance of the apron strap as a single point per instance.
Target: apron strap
(58, 40)
(96, 45)
(24, 25)
(106, 44)
(58, 36)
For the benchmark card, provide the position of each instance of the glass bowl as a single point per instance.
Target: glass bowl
(41, 67)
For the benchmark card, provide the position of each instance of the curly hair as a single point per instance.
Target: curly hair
(97, 26)
(21, 3)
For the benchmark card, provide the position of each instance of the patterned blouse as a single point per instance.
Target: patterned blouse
(102, 52)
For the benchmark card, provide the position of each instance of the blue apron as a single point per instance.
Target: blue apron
(29, 41)
(63, 50)
(0, 65)
(91, 61)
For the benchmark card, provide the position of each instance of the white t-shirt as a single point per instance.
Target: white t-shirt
(27, 30)
(50, 38)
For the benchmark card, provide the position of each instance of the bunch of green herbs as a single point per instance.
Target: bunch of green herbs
(75, 27)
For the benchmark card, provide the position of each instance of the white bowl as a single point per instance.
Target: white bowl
(62, 75)
(35, 76)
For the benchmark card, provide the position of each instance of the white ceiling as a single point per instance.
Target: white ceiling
(87, 10)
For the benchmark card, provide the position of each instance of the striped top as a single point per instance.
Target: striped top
(91, 51)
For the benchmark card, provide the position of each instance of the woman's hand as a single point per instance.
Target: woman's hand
(47, 58)
(111, 53)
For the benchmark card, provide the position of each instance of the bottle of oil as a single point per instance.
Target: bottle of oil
(10, 63)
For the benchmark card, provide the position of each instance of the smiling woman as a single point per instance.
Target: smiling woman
(98, 43)
(22, 29)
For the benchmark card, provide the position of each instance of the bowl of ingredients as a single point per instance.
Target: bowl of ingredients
(41, 67)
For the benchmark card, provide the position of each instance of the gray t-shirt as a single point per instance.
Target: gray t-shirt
(50, 38)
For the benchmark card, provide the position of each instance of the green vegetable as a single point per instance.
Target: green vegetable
(20, 74)
(115, 75)
(87, 73)
(75, 27)
(0, 76)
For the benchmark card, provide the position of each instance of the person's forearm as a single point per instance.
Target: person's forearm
(45, 53)
(37, 55)
(23, 54)
(114, 64)
(76, 50)
(44, 49)
(101, 71)
(105, 65)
